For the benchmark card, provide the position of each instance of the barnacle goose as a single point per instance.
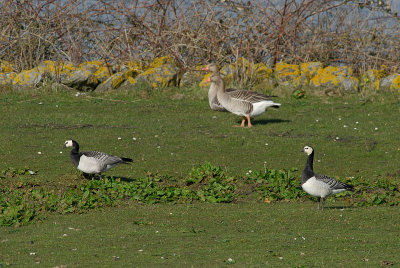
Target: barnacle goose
(319, 185)
(93, 162)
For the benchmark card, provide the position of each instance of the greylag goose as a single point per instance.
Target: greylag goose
(242, 102)
(93, 162)
(212, 91)
(317, 185)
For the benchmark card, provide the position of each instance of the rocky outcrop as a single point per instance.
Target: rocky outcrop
(162, 72)
(332, 76)
(287, 74)
(390, 83)
(116, 80)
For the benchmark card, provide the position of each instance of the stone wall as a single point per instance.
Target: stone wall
(164, 72)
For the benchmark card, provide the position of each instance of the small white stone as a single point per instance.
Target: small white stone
(170, 213)
(214, 117)
(319, 160)
(281, 258)
(39, 152)
(357, 122)
(355, 128)
(31, 172)
(40, 103)
(60, 152)
(157, 232)
(230, 260)
(337, 138)
(340, 118)
(162, 257)
(140, 250)
(119, 138)
(316, 120)
(134, 138)
(65, 235)
(344, 125)
(57, 106)
(266, 144)
(376, 128)
(74, 249)
(303, 238)
(32, 253)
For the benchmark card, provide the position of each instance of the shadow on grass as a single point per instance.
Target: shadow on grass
(100, 177)
(338, 207)
(266, 121)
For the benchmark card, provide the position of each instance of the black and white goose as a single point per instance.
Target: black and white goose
(317, 185)
(93, 162)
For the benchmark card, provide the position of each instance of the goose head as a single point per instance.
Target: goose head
(308, 150)
(212, 67)
(215, 79)
(69, 143)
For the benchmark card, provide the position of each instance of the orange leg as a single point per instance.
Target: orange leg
(243, 121)
(248, 121)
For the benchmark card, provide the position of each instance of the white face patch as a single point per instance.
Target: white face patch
(308, 150)
(68, 143)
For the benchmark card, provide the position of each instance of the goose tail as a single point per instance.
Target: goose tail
(275, 105)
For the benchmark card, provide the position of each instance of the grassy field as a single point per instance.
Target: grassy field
(208, 235)
(172, 132)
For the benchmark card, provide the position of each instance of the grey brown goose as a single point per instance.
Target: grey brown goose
(318, 185)
(93, 162)
(242, 102)
(212, 91)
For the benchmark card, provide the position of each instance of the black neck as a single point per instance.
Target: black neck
(75, 155)
(308, 171)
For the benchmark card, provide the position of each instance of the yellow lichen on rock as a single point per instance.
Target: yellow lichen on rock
(7, 78)
(308, 70)
(332, 76)
(395, 86)
(27, 78)
(5, 67)
(287, 74)
(162, 72)
(160, 61)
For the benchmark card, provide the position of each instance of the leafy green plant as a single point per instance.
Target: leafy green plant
(276, 184)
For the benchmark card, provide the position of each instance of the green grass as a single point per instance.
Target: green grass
(176, 131)
(172, 135)
(207, 235)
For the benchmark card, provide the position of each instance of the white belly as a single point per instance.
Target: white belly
(89, 165)
(316, 188)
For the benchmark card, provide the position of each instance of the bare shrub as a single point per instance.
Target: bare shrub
(362, 34)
